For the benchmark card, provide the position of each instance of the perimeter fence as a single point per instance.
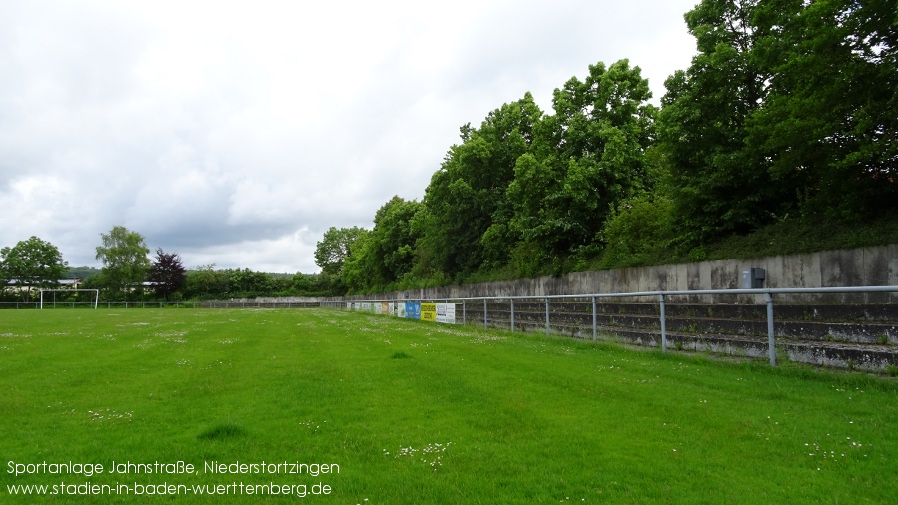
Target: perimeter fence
(821, 329)
(564, 313)
(215, 304)
(92, 305)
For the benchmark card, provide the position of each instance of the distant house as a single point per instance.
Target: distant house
(17, 285)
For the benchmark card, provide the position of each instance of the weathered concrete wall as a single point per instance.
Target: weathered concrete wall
(873, 266)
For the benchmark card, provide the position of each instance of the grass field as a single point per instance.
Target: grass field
(418, 413)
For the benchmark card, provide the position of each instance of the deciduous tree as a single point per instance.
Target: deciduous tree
(205, 282)
(31, 264)
(467, 211)
(833, 134)
(167, 274)
(386, 253)
(586, 158)
(247, 283)
(333, 249)
(125, 262)
(719, 185)
(789, 106)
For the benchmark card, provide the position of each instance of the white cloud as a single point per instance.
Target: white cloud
(236, 133)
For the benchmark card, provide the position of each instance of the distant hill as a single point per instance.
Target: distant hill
(82, 272)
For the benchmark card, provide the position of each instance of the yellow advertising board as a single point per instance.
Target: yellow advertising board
(429, 312)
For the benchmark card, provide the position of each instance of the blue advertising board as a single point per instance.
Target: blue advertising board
(413, 310)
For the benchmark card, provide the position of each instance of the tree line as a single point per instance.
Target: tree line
(128, 273)
(789, 110)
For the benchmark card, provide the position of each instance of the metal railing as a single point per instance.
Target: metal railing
(227, 304)
(92, 305)
(22, 305)
(223, 304)
(661, 296)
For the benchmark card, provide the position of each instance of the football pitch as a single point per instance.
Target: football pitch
(260, 406)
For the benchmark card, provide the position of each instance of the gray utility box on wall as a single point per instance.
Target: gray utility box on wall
(753, 278)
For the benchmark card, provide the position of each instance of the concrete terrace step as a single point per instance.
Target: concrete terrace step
(875, 358)
(863, 332)
(850, 336)
(796, 312)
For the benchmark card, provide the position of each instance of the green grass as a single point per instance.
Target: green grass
(416, 413)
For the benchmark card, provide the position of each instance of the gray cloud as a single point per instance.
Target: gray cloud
(236, 134)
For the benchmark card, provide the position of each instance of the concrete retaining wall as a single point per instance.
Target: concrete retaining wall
(872, 266)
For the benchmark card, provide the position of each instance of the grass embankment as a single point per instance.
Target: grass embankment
(424, 413)
(798, 236)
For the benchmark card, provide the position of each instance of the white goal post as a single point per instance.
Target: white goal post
(96, 293)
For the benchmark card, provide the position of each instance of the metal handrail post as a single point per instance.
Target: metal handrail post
(547, 316)
(663, 324)
(595, 326)
(511, 300)
(771, 338)
(484, 313)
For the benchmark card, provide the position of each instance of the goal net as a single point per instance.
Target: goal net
(52, 297)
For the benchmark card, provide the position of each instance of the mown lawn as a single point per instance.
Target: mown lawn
(416, 412)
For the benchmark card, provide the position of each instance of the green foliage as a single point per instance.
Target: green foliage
(359, 269)
(125, 262)
(718, 184)
(586, 158)
(834, 133)
(208, 283)
(800, 234)
(760, 125)
(386, 253)
(310, 285)
(205, 282)
(528, 259)
(793, 235)
(467, 196)
(248, 284)
(31, 264)
(527, 190)
(638, 232)
(333, 249)
(82, 272)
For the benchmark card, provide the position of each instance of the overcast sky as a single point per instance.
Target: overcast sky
(237, 133)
